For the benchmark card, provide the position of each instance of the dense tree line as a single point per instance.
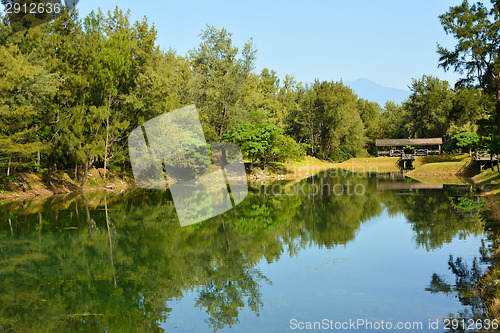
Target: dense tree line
(71, 90)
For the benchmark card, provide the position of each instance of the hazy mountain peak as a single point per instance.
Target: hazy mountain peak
(375, 92)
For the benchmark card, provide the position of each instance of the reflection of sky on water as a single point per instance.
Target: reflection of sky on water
(380, 275)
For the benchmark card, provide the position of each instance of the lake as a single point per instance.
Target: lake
(322, 253)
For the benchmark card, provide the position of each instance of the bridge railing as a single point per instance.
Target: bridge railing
(482, 155)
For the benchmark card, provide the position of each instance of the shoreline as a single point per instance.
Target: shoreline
(445, 169)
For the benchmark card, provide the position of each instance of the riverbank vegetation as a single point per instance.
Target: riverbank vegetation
(74, 88)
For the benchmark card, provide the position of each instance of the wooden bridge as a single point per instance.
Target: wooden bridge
(422, 147)
(395, 147)
(484, 158)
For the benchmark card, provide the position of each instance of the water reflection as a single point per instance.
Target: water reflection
(102, 262)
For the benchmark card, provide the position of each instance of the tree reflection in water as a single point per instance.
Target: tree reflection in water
(102, 262)
(467, 286)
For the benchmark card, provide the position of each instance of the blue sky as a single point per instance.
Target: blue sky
(387, 41)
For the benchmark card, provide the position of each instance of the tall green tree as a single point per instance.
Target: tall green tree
(428, 107)
(395, 118)
(62, 43)
(476, 55)
(24, 87)
(469, 111)
(371, 115)
(112, 78)
(465, 140)
(301, 119)
(341, 130)
(219, 76)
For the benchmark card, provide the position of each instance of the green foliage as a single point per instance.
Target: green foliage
(408, 149)
(375, 124)
(476, 54)
(468, 203)
(428, 108)
(470, 111)
(494, 145)
(219, 77)
(395, 119)
(71, 90)
(264, 142)
(466, 140)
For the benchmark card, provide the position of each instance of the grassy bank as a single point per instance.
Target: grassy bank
(296, 170)
(488, 183)
(442, 166)
(371, 164)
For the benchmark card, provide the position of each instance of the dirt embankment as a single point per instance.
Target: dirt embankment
(28, 184)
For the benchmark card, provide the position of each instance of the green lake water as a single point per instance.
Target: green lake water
(333, 248)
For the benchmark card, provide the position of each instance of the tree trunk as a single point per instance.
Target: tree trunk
(38, 159)
(8, 166)
(497, 107)
(123, 170)
(224, 156)
(76, 172)
(86, 169)
(49, 170)
(107, 138)
(224, 115)
(107, 143)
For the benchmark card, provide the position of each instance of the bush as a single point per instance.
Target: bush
(464, 140)
(408, 149)
(264, 142)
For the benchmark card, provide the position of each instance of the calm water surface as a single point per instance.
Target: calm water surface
(288, 255)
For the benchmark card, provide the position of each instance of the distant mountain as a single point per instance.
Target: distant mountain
(374, 92)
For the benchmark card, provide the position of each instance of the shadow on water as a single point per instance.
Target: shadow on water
(104, 262)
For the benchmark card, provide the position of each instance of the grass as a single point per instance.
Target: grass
(421, 160)
(442, 169)
(488, 176)
(491, 178)
(489, 181)
(371, 164)
(441, 166)
(453, 180)
(307, 167)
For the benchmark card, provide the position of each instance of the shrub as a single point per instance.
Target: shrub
(264, 142)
